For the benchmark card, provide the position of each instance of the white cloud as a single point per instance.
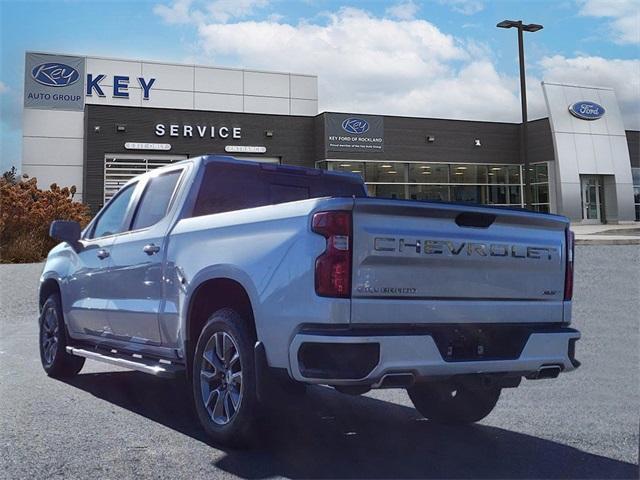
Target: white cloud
(403, 11)
(3, 88)
(624, 14)
(178, 12)
(371, 64)
(224, 10)
(466, 7)
(607, 8)
(622, 75)
(188, 11)
(275, 17)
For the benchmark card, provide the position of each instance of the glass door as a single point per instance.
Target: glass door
(590, 199)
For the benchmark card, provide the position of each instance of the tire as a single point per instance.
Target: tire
(53, 341)
(224, 380)
(453, 403)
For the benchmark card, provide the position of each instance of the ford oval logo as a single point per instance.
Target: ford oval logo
(55, 74)
(586, 110)
(357, 126)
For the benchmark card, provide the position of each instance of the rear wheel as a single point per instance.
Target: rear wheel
(453, 403)
(224, 382)
(53, 341)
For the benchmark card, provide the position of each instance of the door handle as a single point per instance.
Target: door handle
(151, 249)
(102, 254)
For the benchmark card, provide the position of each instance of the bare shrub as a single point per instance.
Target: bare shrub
(26, 213)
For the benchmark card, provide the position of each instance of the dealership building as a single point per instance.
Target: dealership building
(97, 122)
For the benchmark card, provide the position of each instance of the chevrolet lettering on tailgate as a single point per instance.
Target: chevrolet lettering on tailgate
(451, 247)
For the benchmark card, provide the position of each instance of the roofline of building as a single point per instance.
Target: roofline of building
(177, 64)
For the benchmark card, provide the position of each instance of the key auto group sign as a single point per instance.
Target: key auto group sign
(59, 82)
(354, 133)
(54, 82)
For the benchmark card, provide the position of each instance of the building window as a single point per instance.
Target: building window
(490, 184)
(539, 178)
(428, 173)
(635, 172)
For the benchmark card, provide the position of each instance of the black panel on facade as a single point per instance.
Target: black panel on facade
(295, 140)
(292, 139)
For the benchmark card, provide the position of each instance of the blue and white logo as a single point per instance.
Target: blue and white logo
(55, 74)
(586, 110)
(357, 126)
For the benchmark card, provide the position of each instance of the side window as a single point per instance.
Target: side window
(155, 199)
(112, 219)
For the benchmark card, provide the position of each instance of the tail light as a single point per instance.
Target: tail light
(333, 267)
(568, 277)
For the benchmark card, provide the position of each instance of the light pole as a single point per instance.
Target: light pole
(524, 157)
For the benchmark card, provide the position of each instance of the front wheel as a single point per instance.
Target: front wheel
(224, 381)
(53, 342)
(453, 403)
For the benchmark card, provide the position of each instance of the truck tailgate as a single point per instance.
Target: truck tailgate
(419, 262)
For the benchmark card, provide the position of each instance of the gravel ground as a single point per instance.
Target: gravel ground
(110, 423)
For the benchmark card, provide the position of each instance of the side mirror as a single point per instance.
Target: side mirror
(66, 231)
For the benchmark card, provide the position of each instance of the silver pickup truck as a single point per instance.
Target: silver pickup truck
(252, 278)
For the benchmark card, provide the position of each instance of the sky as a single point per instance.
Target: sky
(427, 58)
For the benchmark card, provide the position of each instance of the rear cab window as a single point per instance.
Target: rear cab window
(226, 187)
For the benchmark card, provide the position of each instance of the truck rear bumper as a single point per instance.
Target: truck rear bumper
(376, 360)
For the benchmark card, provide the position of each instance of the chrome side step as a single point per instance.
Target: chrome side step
(159, 368)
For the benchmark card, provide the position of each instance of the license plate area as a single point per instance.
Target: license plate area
(466, 343)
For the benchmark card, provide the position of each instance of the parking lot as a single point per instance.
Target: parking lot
(111, 423)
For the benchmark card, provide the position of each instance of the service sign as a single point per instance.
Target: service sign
(354, 133)
(54, 82)
(586, 110)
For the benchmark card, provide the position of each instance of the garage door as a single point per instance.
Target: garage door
(120, 168)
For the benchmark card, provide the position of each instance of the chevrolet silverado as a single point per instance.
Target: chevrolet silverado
(247, 278)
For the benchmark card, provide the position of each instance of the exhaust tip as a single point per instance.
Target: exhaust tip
(397, 380)
(548, 371)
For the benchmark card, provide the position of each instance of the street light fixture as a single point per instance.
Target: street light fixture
(524, 158)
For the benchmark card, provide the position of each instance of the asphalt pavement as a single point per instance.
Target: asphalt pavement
(111, 423)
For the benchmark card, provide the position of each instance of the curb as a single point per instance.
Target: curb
(603, 241)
